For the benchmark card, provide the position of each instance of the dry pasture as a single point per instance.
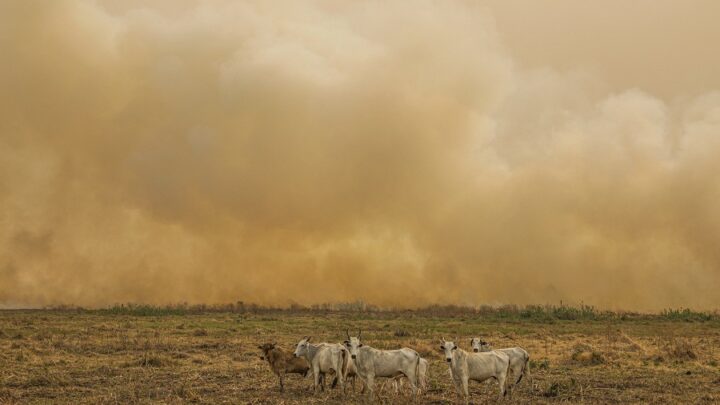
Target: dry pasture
(92, 357)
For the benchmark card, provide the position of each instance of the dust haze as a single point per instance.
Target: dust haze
(400, 153)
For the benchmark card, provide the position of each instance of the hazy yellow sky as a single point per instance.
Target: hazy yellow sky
(402, 153)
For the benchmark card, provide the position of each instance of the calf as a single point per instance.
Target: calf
(372, 363)
(466, 366)
(519, 358)
(282, 362)
(324, 358)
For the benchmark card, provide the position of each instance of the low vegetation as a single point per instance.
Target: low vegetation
(208, 354)
(536, 313)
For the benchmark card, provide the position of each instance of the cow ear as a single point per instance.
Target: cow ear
(360, 345)
(346, 342)
(454, 347)
(442, 348)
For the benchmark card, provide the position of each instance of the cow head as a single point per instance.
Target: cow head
(265, 348)
(479, 345)
(447, 348)
(353, 343)
(302, 347)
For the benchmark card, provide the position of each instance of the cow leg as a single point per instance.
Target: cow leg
(414, 389)
(392, 383)
(413, 379)
(316, 379)
(340, 377)
(363, 381)
(370, 384)
(502, 380)
(384, 383)
(280, 377)
(516, 377)
(518, 374)
(526, 370)
(308, 373)
(352, 384)
(456, 383)
(466, 394)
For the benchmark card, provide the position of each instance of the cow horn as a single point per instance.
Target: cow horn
(442, 340)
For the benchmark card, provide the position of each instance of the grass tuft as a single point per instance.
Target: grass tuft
(200, 332)
(402, 333)
(585, 354)
(680, 349)
(153, 360)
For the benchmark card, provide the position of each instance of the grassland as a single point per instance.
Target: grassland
(128, 355)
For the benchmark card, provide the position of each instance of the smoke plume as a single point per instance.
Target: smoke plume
(401, 153)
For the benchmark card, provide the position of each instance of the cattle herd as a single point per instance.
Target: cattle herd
(352, 359)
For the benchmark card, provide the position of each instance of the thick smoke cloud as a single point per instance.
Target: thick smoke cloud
(402, 154)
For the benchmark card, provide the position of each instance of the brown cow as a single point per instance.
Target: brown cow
(282, 362)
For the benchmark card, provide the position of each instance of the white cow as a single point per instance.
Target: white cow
(466, 366)
(372, 363)
(519, 358)
(324, 358)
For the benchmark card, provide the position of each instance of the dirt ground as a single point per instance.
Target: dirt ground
(91, 357)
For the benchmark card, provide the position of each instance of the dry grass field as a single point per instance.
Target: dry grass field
(136, 355)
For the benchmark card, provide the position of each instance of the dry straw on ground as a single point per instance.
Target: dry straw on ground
(212, 357)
